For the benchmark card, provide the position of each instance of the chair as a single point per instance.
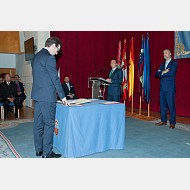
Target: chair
(2, 109)
(12, 104)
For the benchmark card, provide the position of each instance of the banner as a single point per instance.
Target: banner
(146, 75)
(141, 69)
(182, 44)
(124, 69)
(119, 55)
(131, 71)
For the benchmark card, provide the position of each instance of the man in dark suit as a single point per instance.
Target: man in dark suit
(116, 77)
(69, 89)
(9, 95)
(45, 84)
(166, 73)
(20, 90)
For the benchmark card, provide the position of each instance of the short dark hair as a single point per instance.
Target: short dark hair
(65, 77)
(7, 74)
(17, 76)
(53, 40)
(114, 60)
(168, 50)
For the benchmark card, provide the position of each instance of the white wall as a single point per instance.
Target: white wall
(7, 60)
(23, 68)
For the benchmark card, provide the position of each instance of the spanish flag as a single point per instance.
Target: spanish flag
(131, 72)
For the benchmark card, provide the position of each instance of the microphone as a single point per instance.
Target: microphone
(103, 72)
(96, 71)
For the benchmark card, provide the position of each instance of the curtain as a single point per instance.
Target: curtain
(84, 52)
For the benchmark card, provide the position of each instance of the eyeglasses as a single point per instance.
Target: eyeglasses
(58, 49)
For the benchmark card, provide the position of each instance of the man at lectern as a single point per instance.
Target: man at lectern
(115, 77)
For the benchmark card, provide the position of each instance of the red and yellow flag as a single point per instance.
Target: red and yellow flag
(131, 72)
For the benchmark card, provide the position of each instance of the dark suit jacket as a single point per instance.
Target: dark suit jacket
(6, 92)
(167, 80)
(21, 86)
(66, 90)
(45, 78)
(117, 77)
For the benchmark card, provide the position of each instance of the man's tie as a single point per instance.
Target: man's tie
(111, 73)
(68, 86)
(18, 89)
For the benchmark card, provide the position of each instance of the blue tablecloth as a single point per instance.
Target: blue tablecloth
(84, 130)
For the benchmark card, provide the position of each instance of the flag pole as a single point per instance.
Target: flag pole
(140, 107)
(149, 98)
(132, 104)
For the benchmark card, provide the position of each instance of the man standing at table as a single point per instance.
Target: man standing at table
(166, 73)
(115, 77)
(45, 84)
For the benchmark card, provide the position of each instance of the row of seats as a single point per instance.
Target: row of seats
(2, 109)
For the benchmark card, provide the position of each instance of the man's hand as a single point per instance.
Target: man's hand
(108, 79)
(11, 100)
(159, 70)
(19, 93)
(70, 95)
(66, 102)
(165, 71)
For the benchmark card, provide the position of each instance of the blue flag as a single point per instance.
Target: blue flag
(141, 69)
(146, 75)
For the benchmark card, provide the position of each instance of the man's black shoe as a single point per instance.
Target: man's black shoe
(16, 116)
(11, 110)
(52, 155)
(39, 153)
(5, 117)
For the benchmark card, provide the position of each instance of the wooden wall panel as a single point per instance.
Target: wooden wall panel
(10, 42)
(8, 70)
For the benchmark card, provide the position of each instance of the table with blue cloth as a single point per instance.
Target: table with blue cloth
(93, 127)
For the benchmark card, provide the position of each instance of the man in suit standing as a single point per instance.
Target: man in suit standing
(166, 73)
(69, 89)
(116, 77)
(45, 84)
(9, 95)
(20, 90)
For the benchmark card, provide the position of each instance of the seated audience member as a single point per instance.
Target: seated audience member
(9, 95)
(1, 80)
(20, 91)
(69, 89)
